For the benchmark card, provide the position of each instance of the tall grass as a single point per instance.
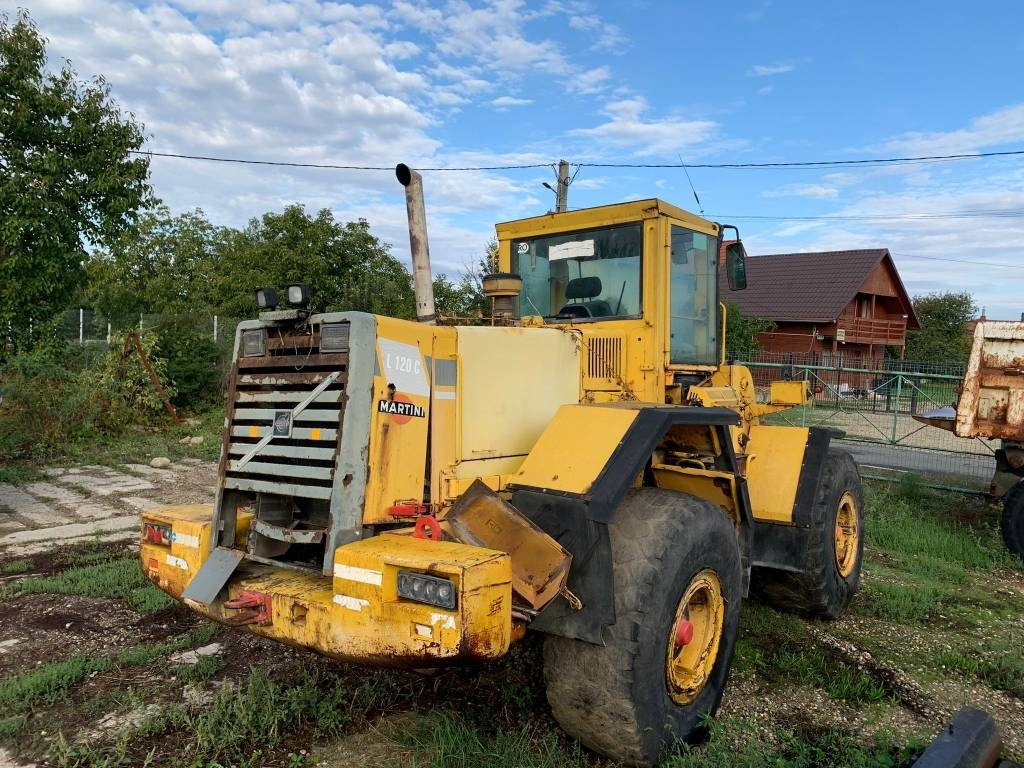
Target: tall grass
(923, 530)
(740, 743)
(778, 648)
(120, 578)
(445, 740)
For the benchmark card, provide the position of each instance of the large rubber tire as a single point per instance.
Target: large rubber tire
(825, 583)
(615, 699)
(1012, 521)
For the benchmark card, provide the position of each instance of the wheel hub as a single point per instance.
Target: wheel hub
(694, 637)
(847, 535)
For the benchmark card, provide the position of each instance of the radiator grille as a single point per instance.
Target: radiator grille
(604, 362)
(302, 464)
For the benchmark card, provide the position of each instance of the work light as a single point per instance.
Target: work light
(431, 590)
(298, 295)
(266, 298)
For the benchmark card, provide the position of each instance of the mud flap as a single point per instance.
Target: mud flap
(213, 575)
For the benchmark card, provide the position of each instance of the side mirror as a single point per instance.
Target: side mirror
(736, 265)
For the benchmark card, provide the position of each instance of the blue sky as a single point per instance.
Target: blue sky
(502, 82)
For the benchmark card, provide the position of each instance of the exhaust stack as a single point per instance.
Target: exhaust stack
(422, 283)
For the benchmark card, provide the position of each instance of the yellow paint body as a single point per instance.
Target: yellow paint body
(575, 448)
(541, 405)
(172, 566)
(774, 457)
(357, 615)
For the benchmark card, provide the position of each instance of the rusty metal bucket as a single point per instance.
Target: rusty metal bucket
(540, 565)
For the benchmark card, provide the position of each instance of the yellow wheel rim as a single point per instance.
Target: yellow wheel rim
(694, 637)
(847, 535)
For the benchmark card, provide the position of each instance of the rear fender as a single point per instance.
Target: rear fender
(580, 470)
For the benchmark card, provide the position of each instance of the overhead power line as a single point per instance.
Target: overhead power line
(722, 166)
(330, 166)
(998, 213)
(821, 163)
(956, 261)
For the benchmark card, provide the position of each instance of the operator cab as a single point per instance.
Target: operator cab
(647, 262)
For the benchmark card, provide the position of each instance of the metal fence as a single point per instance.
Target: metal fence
(873, 408)
(85, 325)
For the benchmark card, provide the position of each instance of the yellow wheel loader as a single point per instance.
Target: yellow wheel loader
(394, 492)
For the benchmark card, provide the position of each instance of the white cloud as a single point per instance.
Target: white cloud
(601, 35)
(503, 102)
(767, 70)
(943, 239)
(589, 81)
(815, 191)
(626, 128)
(1003, 127)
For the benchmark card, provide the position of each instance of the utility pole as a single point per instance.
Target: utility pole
(562, 192)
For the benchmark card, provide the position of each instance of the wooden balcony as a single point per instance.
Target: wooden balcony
(860, 330)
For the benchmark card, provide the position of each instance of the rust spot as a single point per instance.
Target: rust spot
(347, 480)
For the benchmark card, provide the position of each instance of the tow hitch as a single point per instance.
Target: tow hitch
(254, 607)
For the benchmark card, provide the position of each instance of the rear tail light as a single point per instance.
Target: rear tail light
(156, 533)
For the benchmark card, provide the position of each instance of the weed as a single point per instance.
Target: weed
(998, 663)
(448, 742)
(899, 603)
(98, 576)
(777, 647)
(924, 537)
(912, 489)
(266, 712)
(67, 755)
(737, 743)
(20, 474)
(47, 683)
(113, 579)
(202, 671)
(148, 599)
(14, 567)
(13, 726)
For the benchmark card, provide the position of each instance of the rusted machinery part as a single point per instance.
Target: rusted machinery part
(971, 740)
(943, 418)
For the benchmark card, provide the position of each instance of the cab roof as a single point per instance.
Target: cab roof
(603, 215)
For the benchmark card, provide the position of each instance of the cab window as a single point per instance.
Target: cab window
(592, 274)
(693, 321)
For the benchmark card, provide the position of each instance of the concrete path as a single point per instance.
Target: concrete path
(77, 503)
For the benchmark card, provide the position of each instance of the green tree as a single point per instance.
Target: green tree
(943, 336)
(741, 333)
(345, 265)
(165, 265)
(465, 298)
(68, 177)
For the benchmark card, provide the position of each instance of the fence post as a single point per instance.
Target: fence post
(108, 333)
(896, 407)
(214, 327)
(81, 325)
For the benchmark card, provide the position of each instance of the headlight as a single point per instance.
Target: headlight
(254, 343)
(334, 337)
(427, 589)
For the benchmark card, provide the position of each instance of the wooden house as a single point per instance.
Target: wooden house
(835, 308)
